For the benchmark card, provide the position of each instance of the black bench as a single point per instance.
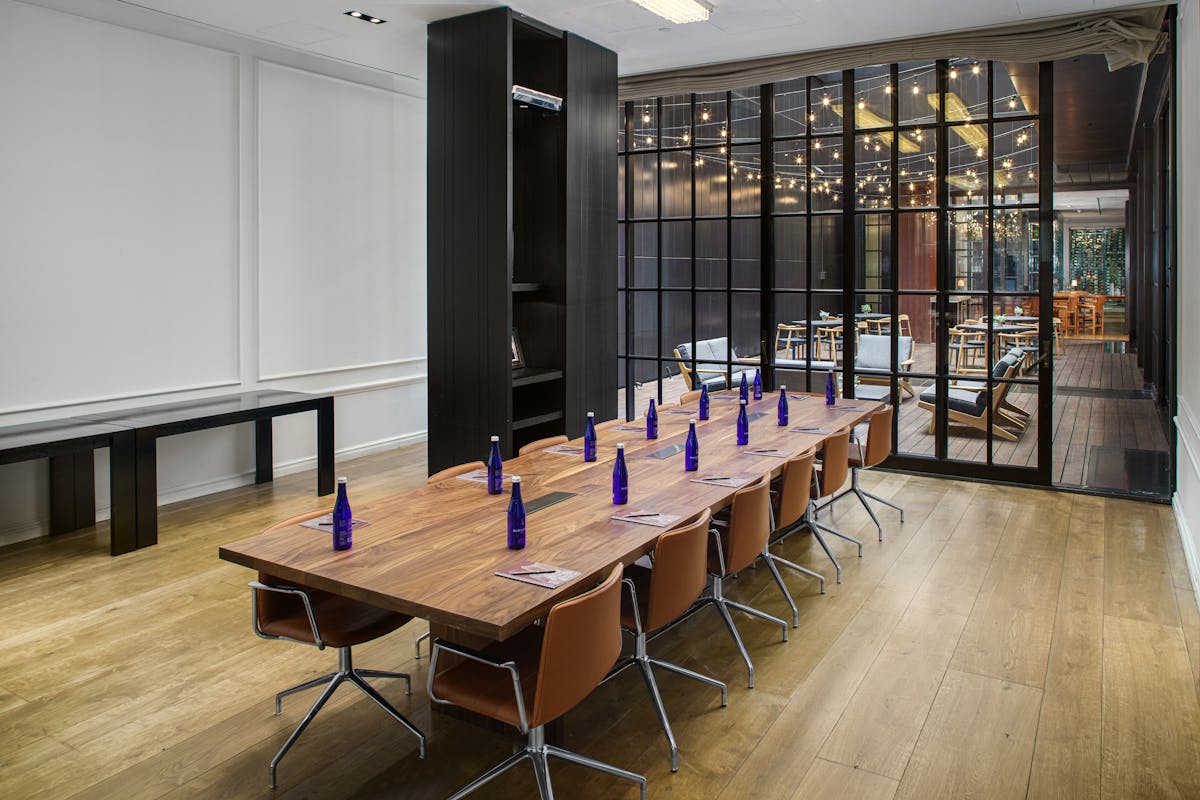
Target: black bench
(131, 436)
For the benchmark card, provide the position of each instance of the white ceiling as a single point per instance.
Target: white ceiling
(644, 42)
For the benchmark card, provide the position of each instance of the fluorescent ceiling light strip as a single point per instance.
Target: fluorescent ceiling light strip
(678, 11)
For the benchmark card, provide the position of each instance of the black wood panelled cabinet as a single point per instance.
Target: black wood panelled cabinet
(522, 227)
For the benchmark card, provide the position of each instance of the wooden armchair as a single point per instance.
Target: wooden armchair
(967, 402)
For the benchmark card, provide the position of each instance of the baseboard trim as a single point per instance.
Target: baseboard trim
(1189, 549)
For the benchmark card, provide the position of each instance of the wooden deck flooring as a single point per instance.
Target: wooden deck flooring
(1097, 403)
(1002, 643)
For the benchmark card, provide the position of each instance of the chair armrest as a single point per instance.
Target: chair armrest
(475, 655)
(633, 598)
(720, 551)
(907, 365)
(709, 371)
(304, 598)
(747, 360)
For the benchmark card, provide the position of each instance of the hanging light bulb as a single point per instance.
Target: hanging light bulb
(825, 100)
(916, 88)
(836, 155)
(687, 137)
(723, 133)
(812, 117)
(799, 159)
(1012, 102)
(887, 89)
(646, 117)
(975, 69)
(862, 104)
(979, 152)
(817, 145)
(704, 115)
(953, 74)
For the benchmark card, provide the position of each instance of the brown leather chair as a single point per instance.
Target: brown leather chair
(789, 506)
(538, 675)
(742, 541)
(455, 471)
(542, 444)
(612, 423)
(688, 397)
(658, 597)
(309, 616)
(835, 467)
(878, 447)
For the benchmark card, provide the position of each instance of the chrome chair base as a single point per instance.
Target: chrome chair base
(345, 672)
(538, 752)
(645, 662)
(856, 489)
(723, 604)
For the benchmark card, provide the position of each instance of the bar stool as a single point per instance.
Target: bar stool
(538, 675)
(878, 448)
(319, 619)
(660, 596)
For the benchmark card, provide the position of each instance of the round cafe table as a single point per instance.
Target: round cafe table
(1019, 320)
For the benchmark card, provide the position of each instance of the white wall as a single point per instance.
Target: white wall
(187, 213)
(1187, 424)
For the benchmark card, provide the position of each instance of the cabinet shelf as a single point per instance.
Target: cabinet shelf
(529, 422)
(529, 375)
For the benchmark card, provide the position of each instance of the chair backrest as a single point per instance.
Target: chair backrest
(542, 444)
(688, 397)
(680, 572)
(874, 352)
(612, 423)
(879, 437)
(273, 606)
(749, 524)
(683, 360)
(835, 463)
(795, 488)
(905, 327)
(451, 472)
(904, 348)
(581, 644)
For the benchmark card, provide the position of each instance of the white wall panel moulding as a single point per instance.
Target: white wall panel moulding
(347, 368)
(115, 398)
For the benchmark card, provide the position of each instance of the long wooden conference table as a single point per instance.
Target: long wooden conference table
(432, 552)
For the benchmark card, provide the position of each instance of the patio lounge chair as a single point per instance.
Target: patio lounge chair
(968, 401)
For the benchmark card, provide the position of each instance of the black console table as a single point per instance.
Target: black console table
(131, 436)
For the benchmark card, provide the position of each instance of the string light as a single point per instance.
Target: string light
(862, 104)
(887, 89)
(646, 117)
(975, 69)
(953, 74)
(979, 152)
(916, 88)
(1012, 102)
(687, 137)
(704, 115)
(825, 100)
(817, 145)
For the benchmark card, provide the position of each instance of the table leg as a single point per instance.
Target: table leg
(122, 470)
(263, 450)
(72, 492)
(325, 477)
(147, 488)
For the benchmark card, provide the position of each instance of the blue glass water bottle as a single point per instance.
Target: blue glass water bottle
(652, 421)
(743, 425)
(516, 517)
(743, 394)
(757, 385)
(343, 519)
(783, 406)
(620, 478)
(589, 438)
(830, 389)
(703, 401)
(495, 468)
(691, 450)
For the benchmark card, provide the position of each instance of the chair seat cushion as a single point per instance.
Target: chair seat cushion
(343, 622)
(960, 400)
(488, 690)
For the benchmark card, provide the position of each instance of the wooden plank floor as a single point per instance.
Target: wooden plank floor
(1001, 643)
(1092, 408)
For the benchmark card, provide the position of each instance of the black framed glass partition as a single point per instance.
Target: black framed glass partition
(881, 224)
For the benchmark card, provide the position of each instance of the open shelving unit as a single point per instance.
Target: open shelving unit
(522, 234)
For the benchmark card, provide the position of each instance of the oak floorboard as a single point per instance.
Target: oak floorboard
(977, 741)
(827, 779)
(1066, 757)
(1137, 574)
(1151, 735)
(1008, 633)
(881, 723)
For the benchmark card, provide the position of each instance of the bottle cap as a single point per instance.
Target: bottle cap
(591, 413)
(692, 420)
(495, 438)
(620, 447)
(743, 402)
(782, 388)
(516, 479)
(341, 480)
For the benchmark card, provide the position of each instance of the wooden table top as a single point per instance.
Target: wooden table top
(432, 552)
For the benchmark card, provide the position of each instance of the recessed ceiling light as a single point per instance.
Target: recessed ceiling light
(678, 11)
(365, 17)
